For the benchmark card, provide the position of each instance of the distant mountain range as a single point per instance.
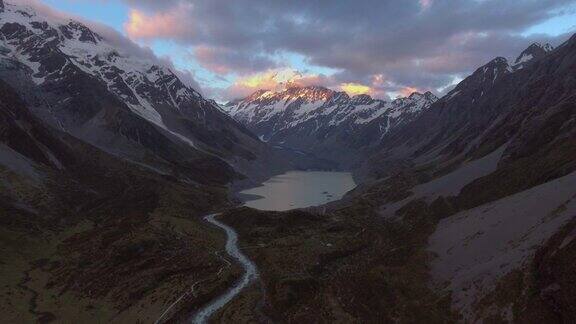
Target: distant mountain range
(345, 129)
(328, 123)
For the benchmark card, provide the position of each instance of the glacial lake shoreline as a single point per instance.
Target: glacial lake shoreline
(297, 189)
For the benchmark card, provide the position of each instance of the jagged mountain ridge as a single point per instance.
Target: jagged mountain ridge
(77, 81)
(534, 51)
(486, 107)
(493, 163)
(323, 121)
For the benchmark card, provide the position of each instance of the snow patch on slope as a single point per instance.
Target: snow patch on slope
(137, 81)
(323, 108)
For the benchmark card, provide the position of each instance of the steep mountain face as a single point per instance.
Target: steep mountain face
(24, 138)
(79, 82)
(80, 224)
(494, 106)
(534, 51)
(329, 123)
(491, 166)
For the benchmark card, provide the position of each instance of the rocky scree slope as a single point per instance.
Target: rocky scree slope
(492, 163)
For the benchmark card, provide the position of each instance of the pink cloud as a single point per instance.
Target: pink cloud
(275, 80)
(208, 58)
(169, 24)
(282, 78)
(425, 4)
(223, 60)
(406, 91)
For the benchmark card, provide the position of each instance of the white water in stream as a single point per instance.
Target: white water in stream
(250, 273)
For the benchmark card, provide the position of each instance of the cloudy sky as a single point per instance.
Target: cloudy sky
(386, 48)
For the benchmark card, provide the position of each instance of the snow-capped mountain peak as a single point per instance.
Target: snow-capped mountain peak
(324, 116)
(101, 86)
(361, 99)
(35, 40)
(534, 51)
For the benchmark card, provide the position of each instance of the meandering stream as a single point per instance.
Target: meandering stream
(250, 273)
(294, 189)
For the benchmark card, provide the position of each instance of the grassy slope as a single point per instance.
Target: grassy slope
(105, 240)
(346, 266)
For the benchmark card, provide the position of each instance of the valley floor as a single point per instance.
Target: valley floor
(503, 261)
(118, 245)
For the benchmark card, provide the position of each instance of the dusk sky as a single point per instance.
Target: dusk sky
(383, 48)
